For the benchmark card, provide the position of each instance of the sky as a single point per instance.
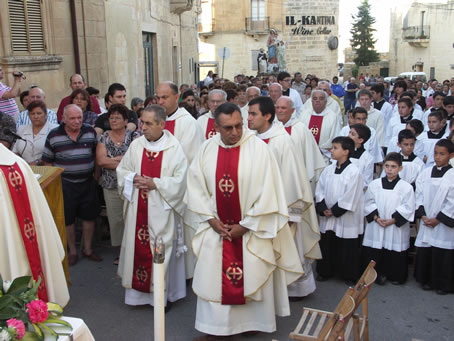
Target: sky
(380, 10)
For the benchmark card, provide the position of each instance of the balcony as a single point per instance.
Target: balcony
(206, 28)
(417, 36)
(257, 25)
(180, 6)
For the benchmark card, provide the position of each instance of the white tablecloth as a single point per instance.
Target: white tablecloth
(80, 330)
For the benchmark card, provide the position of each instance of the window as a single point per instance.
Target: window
(258, 9)
(26, 25)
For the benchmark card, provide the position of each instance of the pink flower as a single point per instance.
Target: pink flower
(37, 311)
(19, 326)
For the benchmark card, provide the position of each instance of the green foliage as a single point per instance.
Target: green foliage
(355, 71)
(362, 41)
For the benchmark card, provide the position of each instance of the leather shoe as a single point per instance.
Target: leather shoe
(92, 256)
(73, 259)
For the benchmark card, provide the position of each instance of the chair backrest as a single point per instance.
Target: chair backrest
(337, 323)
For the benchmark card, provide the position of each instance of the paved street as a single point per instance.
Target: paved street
(396, 312)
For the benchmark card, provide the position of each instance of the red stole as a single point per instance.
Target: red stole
(143, 257)
(19, 196)
(289, 130)
(210, 132)
(170, 126)
(315, 126)
(229, 210)
(266, 141)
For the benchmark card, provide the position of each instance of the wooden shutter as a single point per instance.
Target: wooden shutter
(26, 25)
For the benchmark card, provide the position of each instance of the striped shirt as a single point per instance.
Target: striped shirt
(24, 119)
(8, 106)
(76, 157)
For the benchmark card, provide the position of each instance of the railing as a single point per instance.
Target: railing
(257, 25)
(416, 32)
(206, 27)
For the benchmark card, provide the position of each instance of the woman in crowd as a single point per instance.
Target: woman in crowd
(112, 145)
(34, 135)
(81, 98)
(189, 98)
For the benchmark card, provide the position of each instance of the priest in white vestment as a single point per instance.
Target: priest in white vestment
(303, 218)
(185, 128)
(152, 180)
(323, 123)
(216, 97)
(21, 254)
(331, 103)
(242, 271)
(302, 137)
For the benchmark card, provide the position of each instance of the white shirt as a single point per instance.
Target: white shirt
(31, 149)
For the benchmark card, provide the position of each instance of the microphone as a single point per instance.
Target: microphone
(8, 131)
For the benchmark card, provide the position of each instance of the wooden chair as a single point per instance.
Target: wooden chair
(323, 325)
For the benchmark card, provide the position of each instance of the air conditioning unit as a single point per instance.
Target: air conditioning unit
(180, 6)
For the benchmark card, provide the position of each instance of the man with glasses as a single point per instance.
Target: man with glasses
(285, 80)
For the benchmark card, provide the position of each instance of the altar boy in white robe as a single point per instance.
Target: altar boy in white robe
(434, 267)
(389, 207)
(303, 218)
(238, 218)
(152, 179)
(340, 203)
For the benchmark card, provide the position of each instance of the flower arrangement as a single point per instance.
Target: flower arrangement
(22, 315)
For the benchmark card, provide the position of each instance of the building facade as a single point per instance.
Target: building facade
(308, 29)
(134, 42)
(421, 39)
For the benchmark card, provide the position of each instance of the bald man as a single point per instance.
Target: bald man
(77, 81)
(35, 94)
(275, 91)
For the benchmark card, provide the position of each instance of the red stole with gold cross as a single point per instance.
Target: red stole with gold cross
(143, 256)
(315, 126)
(19, 196)
(170, 126)
(210, 132)
(229, 211)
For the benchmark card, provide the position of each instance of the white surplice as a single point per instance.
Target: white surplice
(13, 257)
(371, 145)
(190, 136)
(264, 213)
(401, 199)
(331, 126)
(418, 150)
(437, 196)
(300, 205)
(165, 212)
(345, 189)
(306, 144)
(410, 169)
(375, 120)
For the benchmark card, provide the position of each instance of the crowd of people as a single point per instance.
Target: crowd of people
(249, 182)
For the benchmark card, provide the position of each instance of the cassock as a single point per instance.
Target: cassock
(371, 145)
(148, 217)
(324, 127)
(375, 120)
(341, 190)
(240, 285)
(300, 204)
(388, 245)
(185, 128)
(435, 253)
(29, 241)
(331, 104)
(305, 143)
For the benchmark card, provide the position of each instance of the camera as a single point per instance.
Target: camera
(18, 74)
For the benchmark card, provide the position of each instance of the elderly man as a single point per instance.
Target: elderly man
(275, 91)
(72, 146)
(117, 95)
(7, 103)
(185, 128)
(285, 80)
(323, 123)
(236, 217)
(333, 103)
(302, 137)
(77, 81)
(152, 178)
(35, 94)
(216, 97)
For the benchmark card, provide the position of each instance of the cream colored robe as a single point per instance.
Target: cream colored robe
(165, 204)
(331, 104)
(13, 257)
(331, 126)
(300, 204)
(203, 120)
(264, 213)
(190, 136)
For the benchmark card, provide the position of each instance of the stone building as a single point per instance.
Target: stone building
(309, 29)
(137, 43)
(420, 39)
